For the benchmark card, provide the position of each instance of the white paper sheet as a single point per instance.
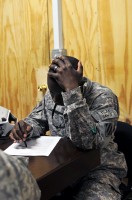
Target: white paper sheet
(41, 146)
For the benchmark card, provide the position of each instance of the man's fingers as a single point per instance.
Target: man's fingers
(11, 136)
(65, 60)
(53, 75)
(54, 68)
(14, 136)
(29, 128)
(22, 127)
(59, 62)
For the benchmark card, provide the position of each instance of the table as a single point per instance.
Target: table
(62, 167)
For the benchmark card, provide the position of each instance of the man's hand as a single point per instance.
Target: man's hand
(20, 131)
(63, 72)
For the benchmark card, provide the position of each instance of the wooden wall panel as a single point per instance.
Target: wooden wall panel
(115, 26)
(81, 34)
(23, 48)
(99, 33)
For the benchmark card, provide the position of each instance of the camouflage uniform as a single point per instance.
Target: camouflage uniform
(16, 181)
(89, 118)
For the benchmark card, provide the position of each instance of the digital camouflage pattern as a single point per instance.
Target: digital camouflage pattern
(16, 181)
(89, 118)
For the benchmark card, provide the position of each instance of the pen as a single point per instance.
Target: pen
(21, 138)
(25, 143)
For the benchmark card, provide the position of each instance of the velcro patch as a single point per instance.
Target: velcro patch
(104, 114)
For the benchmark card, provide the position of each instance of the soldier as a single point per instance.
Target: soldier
(87, 113)
(16, 181)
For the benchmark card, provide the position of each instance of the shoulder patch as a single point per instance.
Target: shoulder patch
(104, 114)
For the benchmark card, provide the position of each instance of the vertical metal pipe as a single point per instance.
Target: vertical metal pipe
(57, 29)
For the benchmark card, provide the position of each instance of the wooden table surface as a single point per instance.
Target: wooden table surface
(62, 167)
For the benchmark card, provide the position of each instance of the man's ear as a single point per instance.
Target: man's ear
(80, 67)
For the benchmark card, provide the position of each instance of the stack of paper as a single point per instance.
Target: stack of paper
(41, 146)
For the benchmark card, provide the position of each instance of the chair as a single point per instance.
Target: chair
(123, 137)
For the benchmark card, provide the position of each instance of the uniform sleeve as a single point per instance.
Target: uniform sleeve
(90, 125)
(16, 181)
(38, 120)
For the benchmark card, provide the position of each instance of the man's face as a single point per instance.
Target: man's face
(55, 91)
